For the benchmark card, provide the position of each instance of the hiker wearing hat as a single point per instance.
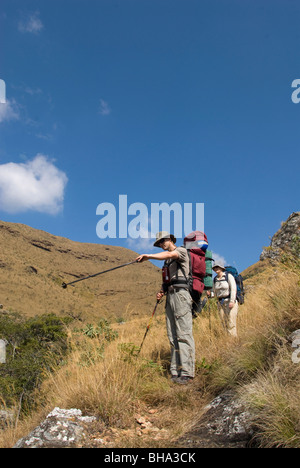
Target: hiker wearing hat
(226, 291)
(178, 305)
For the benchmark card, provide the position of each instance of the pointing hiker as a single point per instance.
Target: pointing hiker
(178, 305)
(225, 290)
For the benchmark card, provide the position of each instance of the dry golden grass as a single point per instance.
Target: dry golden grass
(274, 399)
(15, 430)
(115, 385)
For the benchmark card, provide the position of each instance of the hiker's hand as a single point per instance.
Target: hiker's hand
(231, 305)
(142, 258)
(159, 295)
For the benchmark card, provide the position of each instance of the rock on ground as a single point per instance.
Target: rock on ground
(225, 423)
(62, 428)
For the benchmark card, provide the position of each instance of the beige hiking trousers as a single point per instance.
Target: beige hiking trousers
(180, 332)
(229, 316)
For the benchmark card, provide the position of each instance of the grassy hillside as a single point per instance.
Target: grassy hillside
(33, 265)
(104, 377)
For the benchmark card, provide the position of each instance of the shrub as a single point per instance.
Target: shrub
(34, 346)
(101, 330)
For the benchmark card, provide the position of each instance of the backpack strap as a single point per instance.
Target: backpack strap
(188, 281)
(220, 299)
(223, 279)
(181, 283)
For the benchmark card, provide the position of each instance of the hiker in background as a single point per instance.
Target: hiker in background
(225, 290)
(178, 306)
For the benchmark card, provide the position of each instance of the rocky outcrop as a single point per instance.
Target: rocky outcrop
(62, 428)
(226, 423)
(284, 239)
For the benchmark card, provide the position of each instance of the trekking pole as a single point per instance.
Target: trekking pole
(64, 285)
(149, 324)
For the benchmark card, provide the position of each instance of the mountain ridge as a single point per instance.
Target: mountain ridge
(34, 264)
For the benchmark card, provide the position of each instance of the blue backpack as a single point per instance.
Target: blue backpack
(239, 283)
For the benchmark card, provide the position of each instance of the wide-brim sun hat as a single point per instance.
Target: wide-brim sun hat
(163, 235)
(218, 265)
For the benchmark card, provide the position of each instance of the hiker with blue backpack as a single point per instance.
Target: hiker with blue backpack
(229, 294)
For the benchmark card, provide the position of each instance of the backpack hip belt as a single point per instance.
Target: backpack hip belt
(178, 284)
(177, 288)
(223, 298)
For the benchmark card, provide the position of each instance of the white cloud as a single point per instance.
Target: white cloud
(144, 242)
(32, 91)
(9, 111)
(219, 258)
(104, 108)
(31, 24)
(35, 185)
(141, 244)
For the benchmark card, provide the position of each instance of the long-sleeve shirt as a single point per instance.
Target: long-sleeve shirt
(225, 289)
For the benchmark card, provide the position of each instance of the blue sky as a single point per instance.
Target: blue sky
(185, 101)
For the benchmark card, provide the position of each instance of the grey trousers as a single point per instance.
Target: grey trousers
(180, 332)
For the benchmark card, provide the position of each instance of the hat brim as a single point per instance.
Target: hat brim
(218, 266)
(158, 241)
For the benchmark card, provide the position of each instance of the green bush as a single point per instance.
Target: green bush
(34, 346)
(101, 330)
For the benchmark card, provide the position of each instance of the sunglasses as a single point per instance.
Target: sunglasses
(163, 240)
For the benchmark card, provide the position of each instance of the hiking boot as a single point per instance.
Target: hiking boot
(174, 377)
(184, 380)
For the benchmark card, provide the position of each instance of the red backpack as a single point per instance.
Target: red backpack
(196, 244)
